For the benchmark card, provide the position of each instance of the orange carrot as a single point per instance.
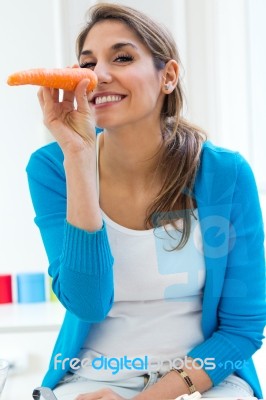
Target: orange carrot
(58, 78)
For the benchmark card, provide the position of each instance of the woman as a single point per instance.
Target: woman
(154, 235)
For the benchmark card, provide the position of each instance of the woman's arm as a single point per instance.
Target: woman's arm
(173, 385)
(62, 183)
(80, 262)
(242, 310)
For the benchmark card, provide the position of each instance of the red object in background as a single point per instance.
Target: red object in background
(5, 289)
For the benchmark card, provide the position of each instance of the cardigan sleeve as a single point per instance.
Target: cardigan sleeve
(241, 310)
(80, 262)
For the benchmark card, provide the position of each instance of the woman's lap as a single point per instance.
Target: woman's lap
(74, 385)
(233, 386)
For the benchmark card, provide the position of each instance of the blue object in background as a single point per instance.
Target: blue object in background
(31, 287)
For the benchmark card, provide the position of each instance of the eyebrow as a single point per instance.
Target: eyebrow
(116, 46)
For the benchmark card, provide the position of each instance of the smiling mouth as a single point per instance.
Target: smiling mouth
(107, 99)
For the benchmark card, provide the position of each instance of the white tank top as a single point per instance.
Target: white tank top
(156, 315)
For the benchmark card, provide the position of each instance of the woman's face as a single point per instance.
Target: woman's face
(129, 86)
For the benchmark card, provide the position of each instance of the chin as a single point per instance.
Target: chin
(107, 124)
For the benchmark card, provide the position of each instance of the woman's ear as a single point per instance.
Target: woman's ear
(170, 76)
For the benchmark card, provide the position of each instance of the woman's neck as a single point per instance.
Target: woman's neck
(130, 157)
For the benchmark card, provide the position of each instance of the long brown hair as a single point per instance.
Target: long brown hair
(182, 141)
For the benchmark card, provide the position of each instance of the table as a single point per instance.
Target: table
(27, 336)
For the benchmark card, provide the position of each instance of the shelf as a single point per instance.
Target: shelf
(31, 317)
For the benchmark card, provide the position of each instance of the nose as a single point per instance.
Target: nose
(103, 73)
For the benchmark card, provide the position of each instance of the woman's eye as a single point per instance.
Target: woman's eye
(124, 58)
(89, 65)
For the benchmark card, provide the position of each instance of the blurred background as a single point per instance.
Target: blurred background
(222, 47)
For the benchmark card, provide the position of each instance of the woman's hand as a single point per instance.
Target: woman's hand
(102, 394)
(72, 128)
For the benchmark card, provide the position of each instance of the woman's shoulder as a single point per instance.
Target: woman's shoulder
(220, 159)
(50, 151)
(221, 171)
(221, 154)
(48, 159)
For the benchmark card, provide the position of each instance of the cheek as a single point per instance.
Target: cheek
(135, 81)
(141, 76)
(144, 86)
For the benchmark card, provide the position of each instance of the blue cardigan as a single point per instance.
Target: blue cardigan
(234, 313)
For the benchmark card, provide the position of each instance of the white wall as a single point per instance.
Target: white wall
(27, 40)
(226, 75)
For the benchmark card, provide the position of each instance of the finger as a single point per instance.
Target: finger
(47, 95)
(40, 97)
(88, 396)
(55, 94)
(68, 96)
(73, 66)
(82, 96)
(50, 94)
(97, 395)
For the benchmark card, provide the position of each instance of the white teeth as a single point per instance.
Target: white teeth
(107, 99)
